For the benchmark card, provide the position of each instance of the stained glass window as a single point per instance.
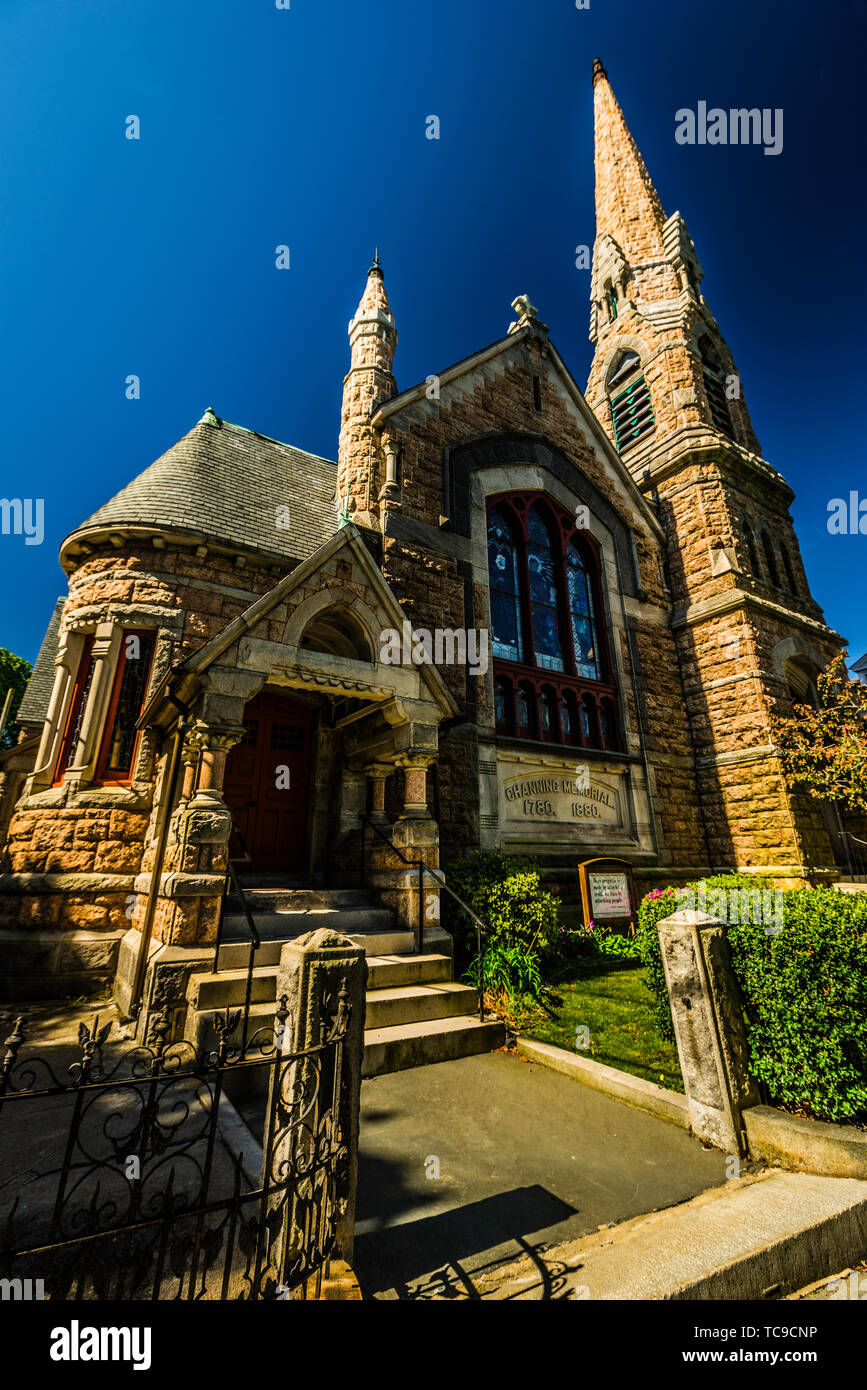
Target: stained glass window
(522, 708)
(506, 639)
(131, 682)
(501, 702)
(566, 723)
(582, 617)
(75, 718)
(546, 712)
(543, 595)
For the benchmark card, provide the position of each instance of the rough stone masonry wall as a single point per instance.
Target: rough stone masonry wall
(91, 842)
(429, 585)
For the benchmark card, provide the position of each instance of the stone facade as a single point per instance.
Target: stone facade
(285, 585)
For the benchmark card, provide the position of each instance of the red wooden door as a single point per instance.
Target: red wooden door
(275, 751)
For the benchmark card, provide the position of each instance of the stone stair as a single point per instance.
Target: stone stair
(416, 1012)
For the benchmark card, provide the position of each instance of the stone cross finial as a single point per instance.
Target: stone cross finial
(522, 306)
(529, 315)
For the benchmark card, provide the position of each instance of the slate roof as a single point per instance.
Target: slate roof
(37, 694)
(225, 483)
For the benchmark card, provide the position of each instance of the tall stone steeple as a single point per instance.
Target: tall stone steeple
(665, 387)
(627, 204)
(369, 382)
(646, 284)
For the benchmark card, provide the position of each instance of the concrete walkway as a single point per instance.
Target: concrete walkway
(469, 1165)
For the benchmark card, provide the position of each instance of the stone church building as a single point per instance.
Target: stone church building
(619, 563)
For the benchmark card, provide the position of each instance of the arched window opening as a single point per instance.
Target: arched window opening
(506, 636)
(568, 719)
(771, 559)
(589, 721)
(544, 599)
(547, 714)
(800, 675)
(631, 407)
(751, 549)
(581, 615)
(337, 632)
(787, 566)
(714, 385)
(611, 301)
(75, 715)
(502, 703)
(621, 369)
(524, 709)
(548, 626)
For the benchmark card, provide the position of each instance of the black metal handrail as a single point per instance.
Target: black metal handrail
(438, 876)
(255, 939)
(856, 858)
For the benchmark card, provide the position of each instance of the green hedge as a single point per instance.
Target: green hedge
(804, 988)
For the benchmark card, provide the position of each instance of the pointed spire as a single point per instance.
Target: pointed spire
(627, 204)
(369, 382)
(373, 307)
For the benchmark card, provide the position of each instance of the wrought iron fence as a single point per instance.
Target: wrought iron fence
(118, 1182)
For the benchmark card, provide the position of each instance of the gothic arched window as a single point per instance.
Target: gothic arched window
(506, 637)
(787, 566)
(583, 622)
(631, 407)
(770, 557)
(714, 385)
(544, 598)
(552, 678)
(751, 549)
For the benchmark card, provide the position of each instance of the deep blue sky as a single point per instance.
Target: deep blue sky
(307, 127)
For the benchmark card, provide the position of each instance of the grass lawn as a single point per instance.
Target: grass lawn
(615, 1006)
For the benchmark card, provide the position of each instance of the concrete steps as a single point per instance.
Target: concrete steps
(417, 1044)
(415, 1012)
(387, 1008)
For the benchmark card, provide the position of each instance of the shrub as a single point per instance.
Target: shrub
(521, 917)
(804, 989)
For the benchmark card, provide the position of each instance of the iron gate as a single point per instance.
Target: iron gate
(135, 1193)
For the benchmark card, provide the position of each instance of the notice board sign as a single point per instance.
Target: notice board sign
(607, 892)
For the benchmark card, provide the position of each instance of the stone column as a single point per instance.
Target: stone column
(415, 896)
(390, 488)
(319, 974)
(215, 745)
(709, 1028)
(190, 754)
(378, 774)
(415, 766)
(197, 857)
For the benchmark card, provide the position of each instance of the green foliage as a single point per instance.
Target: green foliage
(508, 971)
(613, 945)
(521, 917)
(804, 989)
(14, 672)
(806, 999)
(824, 751)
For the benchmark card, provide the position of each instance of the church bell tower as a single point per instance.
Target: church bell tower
(667, 390)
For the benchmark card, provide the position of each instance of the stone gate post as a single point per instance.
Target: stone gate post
(709, 1028)
(313, 970)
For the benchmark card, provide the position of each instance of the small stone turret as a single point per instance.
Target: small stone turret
(369, 382)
